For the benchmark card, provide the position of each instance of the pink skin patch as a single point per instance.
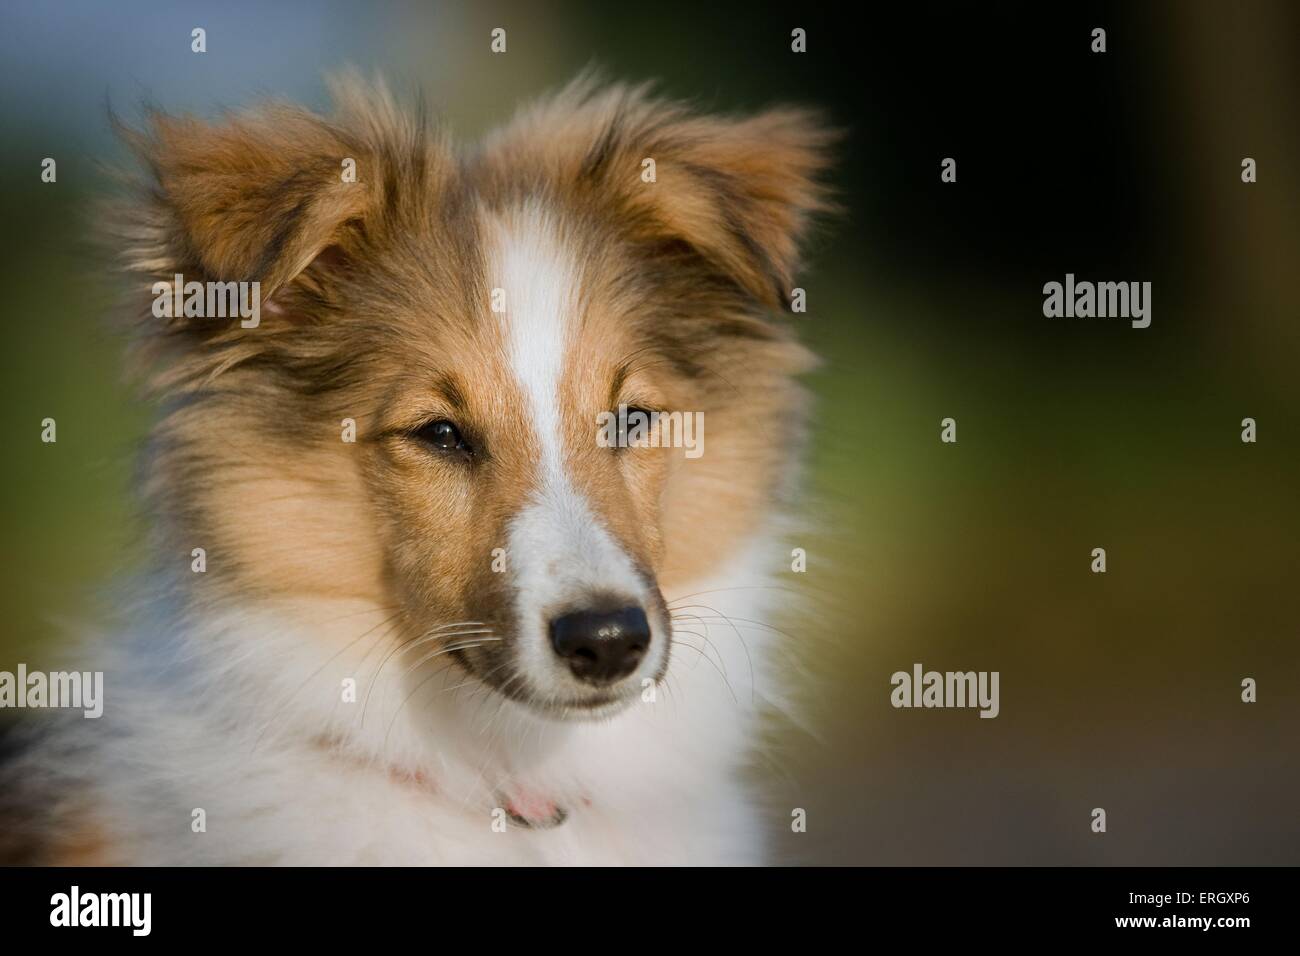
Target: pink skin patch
(527, 808)
(531, 809)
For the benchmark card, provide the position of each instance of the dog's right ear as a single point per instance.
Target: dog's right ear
(276, 195)
(255, 198)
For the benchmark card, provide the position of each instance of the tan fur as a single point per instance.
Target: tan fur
(679, 274)
(381, 315)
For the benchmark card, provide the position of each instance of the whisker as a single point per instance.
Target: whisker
(462, 646)
(318, 671)
(408, 642)
(442, 636)
(706, 657)
(437, 631)
(677, 640)
(745, 587)
(743, 645)
(704, 637)
(743, 620)
(406, 700)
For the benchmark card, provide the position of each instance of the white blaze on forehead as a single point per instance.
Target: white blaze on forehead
(561, 555)
(539, 276)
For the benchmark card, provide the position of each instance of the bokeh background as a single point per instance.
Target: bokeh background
(1119, 690)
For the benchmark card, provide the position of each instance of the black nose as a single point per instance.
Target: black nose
(601, 646)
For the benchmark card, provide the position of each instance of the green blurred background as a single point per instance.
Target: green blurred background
(1119, 690)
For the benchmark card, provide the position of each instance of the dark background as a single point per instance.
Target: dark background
(1120, 690)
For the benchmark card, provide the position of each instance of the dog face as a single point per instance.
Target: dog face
(503, 511)
(415, 420)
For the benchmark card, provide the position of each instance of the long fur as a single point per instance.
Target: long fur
(374, 562)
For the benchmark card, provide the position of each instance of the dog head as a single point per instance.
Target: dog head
(415, 417)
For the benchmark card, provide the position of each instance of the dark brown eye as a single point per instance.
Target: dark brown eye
(443, 435)
(634, 426)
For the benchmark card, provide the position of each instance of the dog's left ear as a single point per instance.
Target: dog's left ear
(740, 191)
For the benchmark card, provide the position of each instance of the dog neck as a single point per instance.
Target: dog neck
(523, 806)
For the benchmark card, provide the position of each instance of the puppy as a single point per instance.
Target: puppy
(411, 601)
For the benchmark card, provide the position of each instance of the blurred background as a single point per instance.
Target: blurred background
(1119, 690)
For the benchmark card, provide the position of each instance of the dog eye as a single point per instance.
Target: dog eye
(442, 435)
(636, 418)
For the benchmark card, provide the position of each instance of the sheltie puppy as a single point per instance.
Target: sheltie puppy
(410, 601)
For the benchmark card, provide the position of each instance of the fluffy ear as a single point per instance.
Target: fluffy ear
(263, 196)
(740, 191)
(255, 198)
